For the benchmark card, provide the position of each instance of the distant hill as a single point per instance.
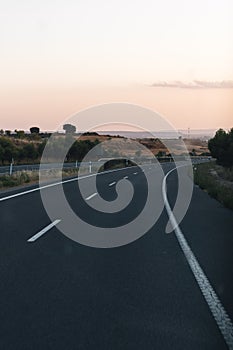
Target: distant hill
(204, 134)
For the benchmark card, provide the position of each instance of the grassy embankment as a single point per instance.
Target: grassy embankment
(32, 177)
(21, 178)
(217, 181)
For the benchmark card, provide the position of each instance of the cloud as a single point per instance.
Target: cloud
(196, 84)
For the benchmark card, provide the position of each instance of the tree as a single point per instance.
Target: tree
(41, 147)
(30, 151)
(221, 147)
(79, 149)
(8, 132)
(1, 153)
(20, 134)
(161, 154)
(9, 149)
(193, 153)
(69, 128)
(34, 130)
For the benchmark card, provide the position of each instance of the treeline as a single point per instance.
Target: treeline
(31, 152)
(35, 134)
(27, 151)
(221, 147)
(56, 146)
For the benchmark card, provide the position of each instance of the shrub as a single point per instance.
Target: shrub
(207, 181)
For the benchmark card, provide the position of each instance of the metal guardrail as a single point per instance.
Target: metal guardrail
(11, 169)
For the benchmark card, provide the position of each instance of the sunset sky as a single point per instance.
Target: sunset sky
(58, 57)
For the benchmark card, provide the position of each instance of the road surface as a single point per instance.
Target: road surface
(58, 294)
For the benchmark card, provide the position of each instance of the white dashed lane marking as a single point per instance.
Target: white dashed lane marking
(91, 196)
(43, 231)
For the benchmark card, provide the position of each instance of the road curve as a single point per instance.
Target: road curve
(59, 294)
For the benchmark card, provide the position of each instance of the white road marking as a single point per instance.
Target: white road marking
(42, 232)
(220, 315)
(91, 196)
(135, 173)
(57, 183)
(126, 177)
(112, 183)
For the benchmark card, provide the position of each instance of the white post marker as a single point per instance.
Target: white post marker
(90, 167)
(11, 168)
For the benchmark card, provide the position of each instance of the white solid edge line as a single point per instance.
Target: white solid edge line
(91, 196)
(220, 315)
(43, 231)
(112, 183)
(59, 183)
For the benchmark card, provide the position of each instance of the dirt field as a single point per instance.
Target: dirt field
(154, 145)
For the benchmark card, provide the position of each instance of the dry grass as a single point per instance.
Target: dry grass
(32, 177)
(18, 178)
(206, 176)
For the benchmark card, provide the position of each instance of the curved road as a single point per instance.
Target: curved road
(58, 294)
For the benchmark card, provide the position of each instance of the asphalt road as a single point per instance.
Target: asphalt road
(58, 294)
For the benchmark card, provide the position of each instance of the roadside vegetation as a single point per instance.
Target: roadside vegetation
(18, 178)
(116, 164)
(21, 178)
(21, 147)
(29, 151)
(213, 179)
(32, 177)
(24, 148)
(221, 148)
(216, 177)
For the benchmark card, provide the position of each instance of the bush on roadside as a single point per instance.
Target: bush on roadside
(221, 147)
(204, 177)
(18, 178)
